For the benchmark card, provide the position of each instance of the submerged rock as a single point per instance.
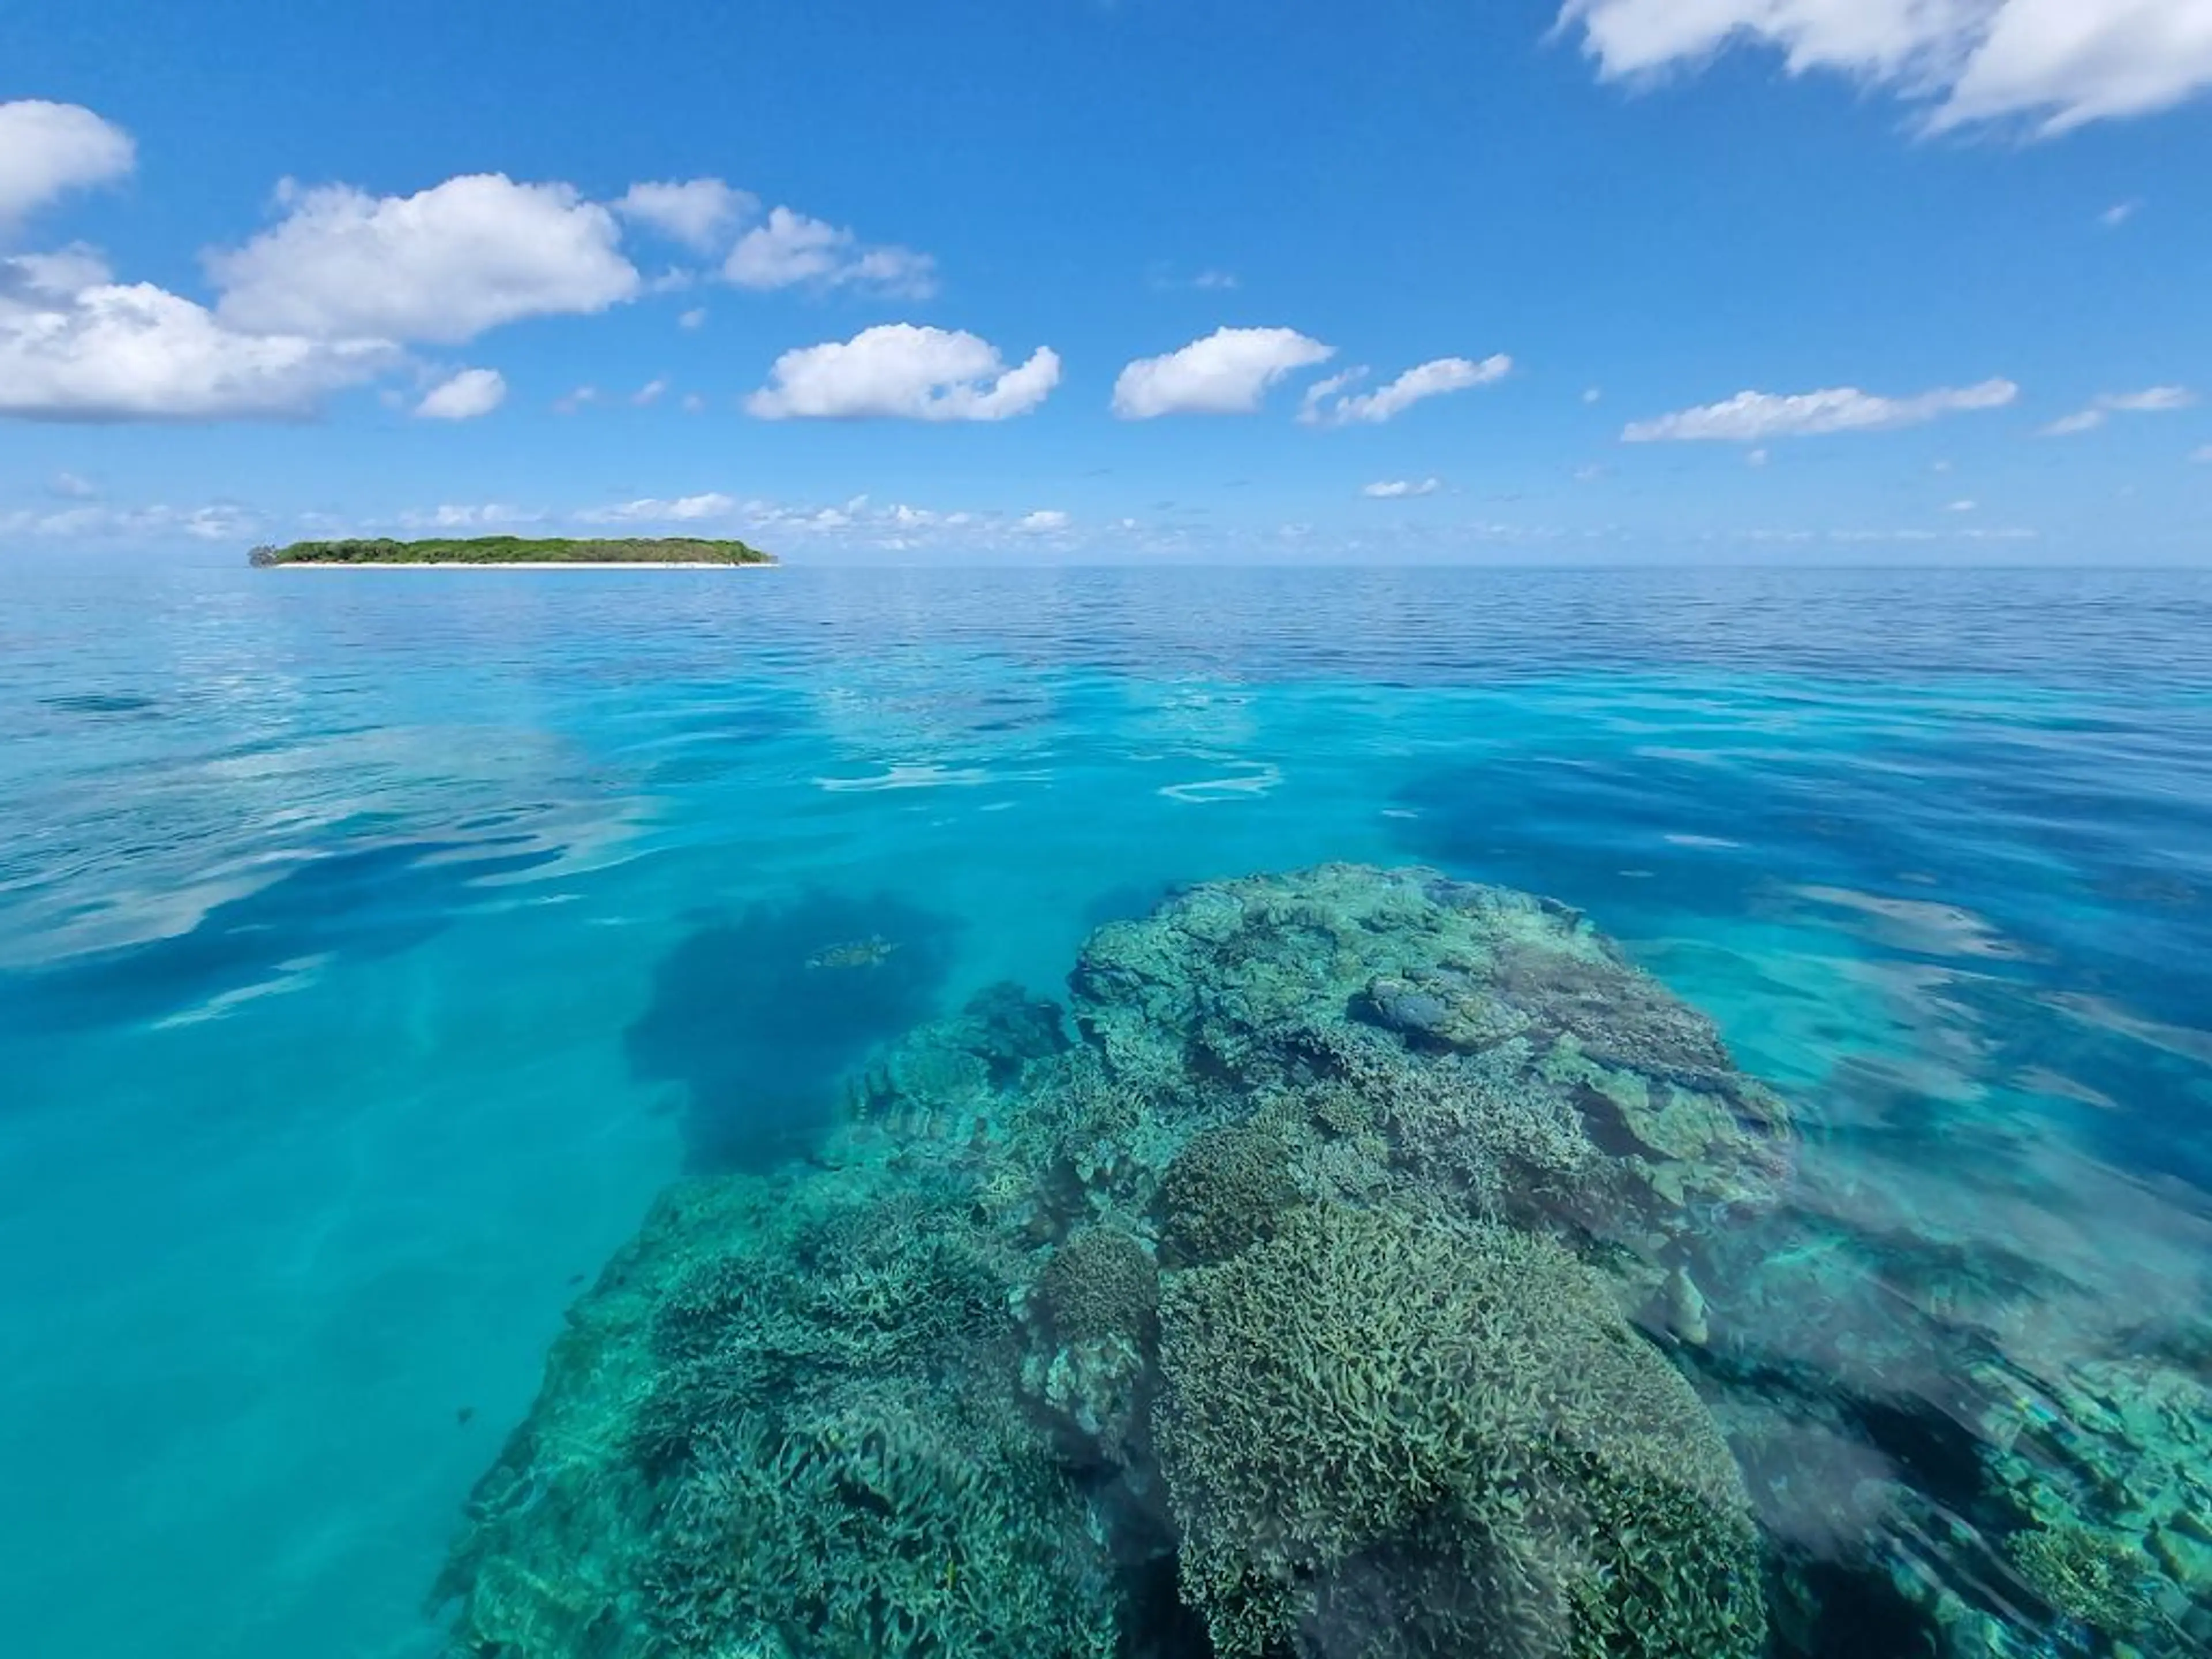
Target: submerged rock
(1298, 1280)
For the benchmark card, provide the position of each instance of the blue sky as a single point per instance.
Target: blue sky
(1806, 280)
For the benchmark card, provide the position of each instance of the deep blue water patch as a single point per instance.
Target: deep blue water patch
(762, 1016)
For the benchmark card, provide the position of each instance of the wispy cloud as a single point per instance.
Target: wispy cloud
(791, 249)
(1759, 416)
(1391, 489)
(2152, 400)
(467, 395)
(1327, 404)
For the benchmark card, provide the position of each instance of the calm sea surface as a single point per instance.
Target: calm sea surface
(374, 946)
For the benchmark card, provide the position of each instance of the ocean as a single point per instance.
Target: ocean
(376, 947)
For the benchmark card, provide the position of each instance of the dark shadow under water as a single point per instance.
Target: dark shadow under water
(761, 1015)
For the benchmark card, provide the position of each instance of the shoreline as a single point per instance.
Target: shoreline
(515, 564)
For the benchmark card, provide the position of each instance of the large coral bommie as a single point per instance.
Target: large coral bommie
(1275, 1287)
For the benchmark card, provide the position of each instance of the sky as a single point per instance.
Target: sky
(1811, 281)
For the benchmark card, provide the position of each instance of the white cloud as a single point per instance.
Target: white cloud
(1216, 281)
(695, 318)
(651, 392)
(1043, 521)
(1428, 379)
(570, 402)
(1963, 507)
(47, 150)
(790, 249)
(683, 509)
(698, 212)
(219, 522)
(1227, 373)
(904, 370)
(1757, 457)
(2057, 63)
(1594, 395)
(74, 348)
(2118, 213)
(465, 395)
(2152, 400)
(460, 516)
(1397, 488)
(445, 263)
(693, 403)
(1757, 417)
(72, 486)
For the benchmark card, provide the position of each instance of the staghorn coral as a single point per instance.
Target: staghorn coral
(1225, 1190)
(1369, 1406)
(893, 1525)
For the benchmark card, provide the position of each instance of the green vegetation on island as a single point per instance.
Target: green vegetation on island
(515, 550)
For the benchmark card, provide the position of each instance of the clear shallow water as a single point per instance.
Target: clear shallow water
(375, 945)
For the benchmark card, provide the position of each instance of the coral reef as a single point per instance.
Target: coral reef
(1296, 1280)
(1101, 1283)
(1225, 1190)
(1369, 1407)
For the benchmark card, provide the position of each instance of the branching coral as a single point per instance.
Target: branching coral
(888, 1527)
(1225, 1190)
(1101, 1283)
(1368, 1404)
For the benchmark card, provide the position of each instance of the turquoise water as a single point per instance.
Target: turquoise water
(376, 945)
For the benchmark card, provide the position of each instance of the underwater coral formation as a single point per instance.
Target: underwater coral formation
(1368, 1390)
(1279, 1313)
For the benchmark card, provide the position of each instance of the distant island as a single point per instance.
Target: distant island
(514, 550)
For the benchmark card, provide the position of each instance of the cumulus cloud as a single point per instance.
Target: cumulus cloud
(904, 370)
(1229, 372)
(695, 318)
(2058, 65)
(76, 345)
(700, 213)
(1428, 379)
(790, 249)
(568, 403)
(445, 263)
(1043, 521)
(651, 392)
(2118, 213)
(48, 150)
(1393, 489)
(2152, 400)
(1756, 417)
(465, 396)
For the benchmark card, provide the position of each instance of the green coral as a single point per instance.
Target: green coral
(1226, 1190)
(2086, 1575)
(1102, 1282)
(1370, 1411)
(891, 1526)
